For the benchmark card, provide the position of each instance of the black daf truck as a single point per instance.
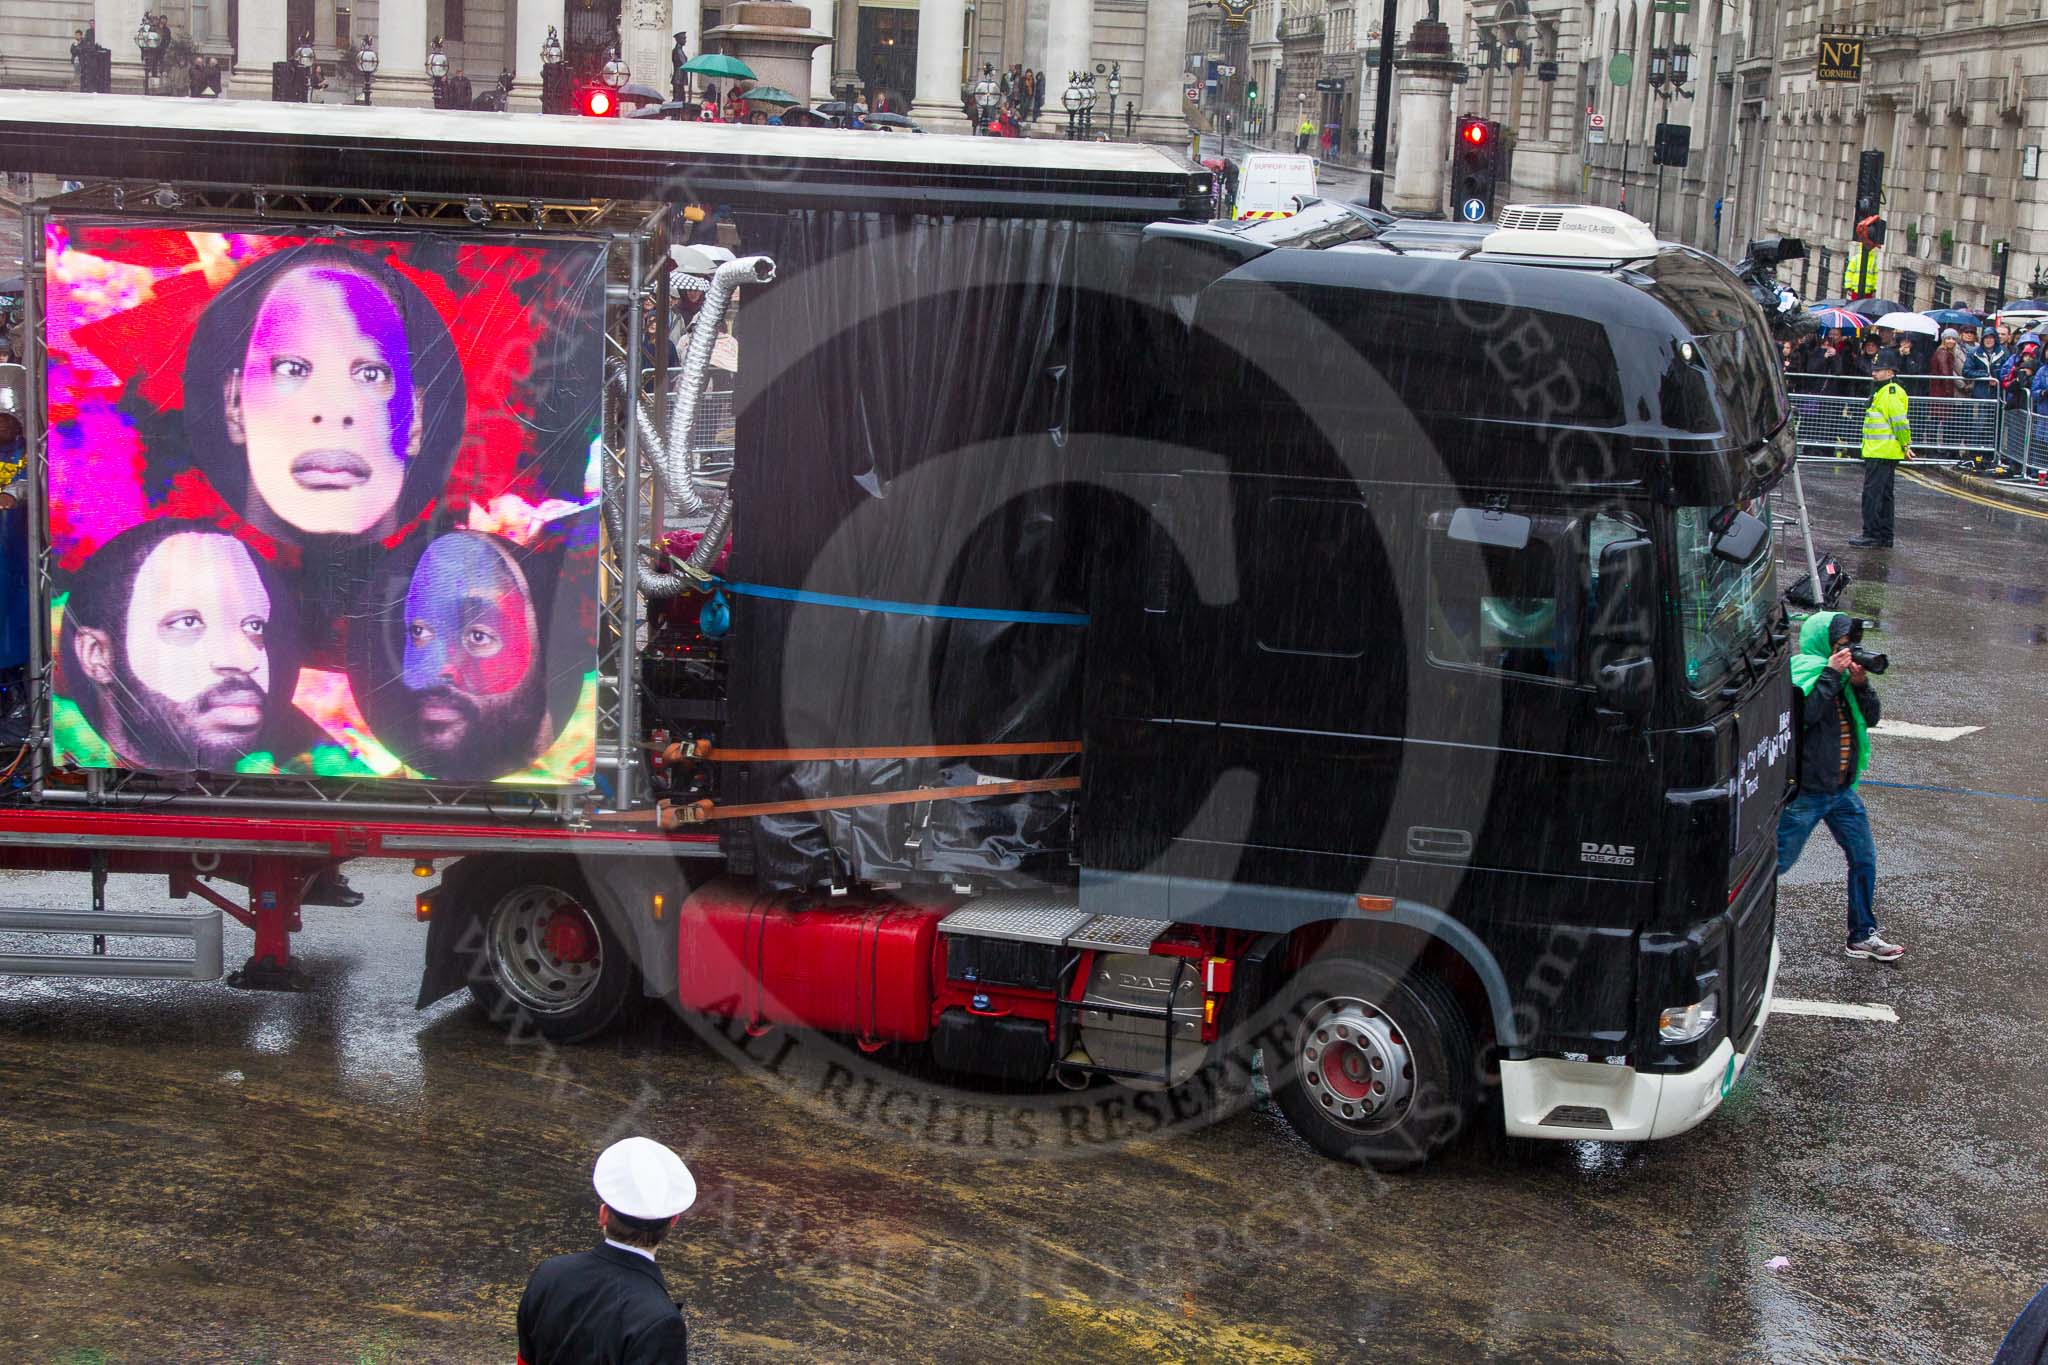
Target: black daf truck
(1449, 604)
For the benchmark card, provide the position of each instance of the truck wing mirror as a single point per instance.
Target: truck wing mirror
(1496, 530)
(1737, 535)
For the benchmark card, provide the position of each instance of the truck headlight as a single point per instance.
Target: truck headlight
(1689, 1023)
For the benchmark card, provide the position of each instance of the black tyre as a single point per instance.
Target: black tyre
(1378, 1069)
(550, 963)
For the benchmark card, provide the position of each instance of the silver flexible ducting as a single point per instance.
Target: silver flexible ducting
(676, 458)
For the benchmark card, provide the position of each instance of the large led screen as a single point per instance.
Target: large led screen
(324, 505)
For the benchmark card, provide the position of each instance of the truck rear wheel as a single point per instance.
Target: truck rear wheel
(552, 965)
(1377, 1068)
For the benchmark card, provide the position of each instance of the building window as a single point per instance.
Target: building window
(1943, 291)
(1827, 270)
(1909, 285)
(451, 20)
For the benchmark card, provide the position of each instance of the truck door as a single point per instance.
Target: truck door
(1301, 676)
(1537, 807)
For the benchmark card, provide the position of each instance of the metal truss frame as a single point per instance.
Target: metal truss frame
(636, 239)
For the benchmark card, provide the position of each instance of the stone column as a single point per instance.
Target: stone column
(825, 18)
(845, 43)
(1162, 108)
(1422, 156)
(941, 38)
(1069, 47)
(260, 41)
(402, 42)
(114, 23)
(647, 30)
(775, 39)
(530, 24)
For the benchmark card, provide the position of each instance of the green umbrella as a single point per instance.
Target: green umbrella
(720, 65)
(769, 94)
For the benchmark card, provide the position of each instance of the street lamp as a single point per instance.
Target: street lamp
(1511, 56)
(550, 51)
(1070, 99)
(303, 56)
(1116, 85)
(616, 73)
(151, 40)
(437, 67)
(1658, 59)
(366, 63)
(986, 95)
(1681, 69)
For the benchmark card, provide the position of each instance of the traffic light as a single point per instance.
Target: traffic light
(1870, 231)
(556, 88)
(1251, 92)
(1475, 168)
(1673, 146)
(1869, 185)
(597, 101)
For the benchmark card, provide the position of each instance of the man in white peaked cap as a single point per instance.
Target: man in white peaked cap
(610, 1306)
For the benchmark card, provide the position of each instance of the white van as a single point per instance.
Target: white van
(1270, 185)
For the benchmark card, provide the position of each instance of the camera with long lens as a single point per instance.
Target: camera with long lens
(1869, 660)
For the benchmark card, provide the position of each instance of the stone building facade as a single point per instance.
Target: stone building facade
(908, 51)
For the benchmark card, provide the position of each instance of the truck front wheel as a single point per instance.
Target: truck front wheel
(552, 965)
(1378, 1069)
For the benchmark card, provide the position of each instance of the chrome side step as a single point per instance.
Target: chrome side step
(200, 928)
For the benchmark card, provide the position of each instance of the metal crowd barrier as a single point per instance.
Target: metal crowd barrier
(1830, 423)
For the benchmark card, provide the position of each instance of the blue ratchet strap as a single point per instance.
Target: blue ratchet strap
(827, 599)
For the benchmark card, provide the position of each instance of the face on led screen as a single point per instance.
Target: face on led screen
(323, 403)
(473, 688)
(324, 506)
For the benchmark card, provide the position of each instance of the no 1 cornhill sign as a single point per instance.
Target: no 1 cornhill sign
(1841, 57)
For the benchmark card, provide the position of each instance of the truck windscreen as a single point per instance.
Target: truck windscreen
(1724, 607)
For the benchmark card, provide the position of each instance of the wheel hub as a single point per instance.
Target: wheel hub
(1355, 1063)
(567, 937)
(544, 949)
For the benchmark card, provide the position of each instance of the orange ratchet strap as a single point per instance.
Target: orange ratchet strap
(703, 751)
(668, 815)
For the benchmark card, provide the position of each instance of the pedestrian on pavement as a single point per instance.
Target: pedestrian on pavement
(1029, 83)
(1944, 370)
(1302, 135)
(610, 1306)
(1980, 365)
(1837, 708)
(1329, 140)
(1887, 439)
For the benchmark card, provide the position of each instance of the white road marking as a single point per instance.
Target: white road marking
(1903, 729)
(1830, 1009)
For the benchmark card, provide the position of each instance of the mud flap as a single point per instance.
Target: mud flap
(455, 941)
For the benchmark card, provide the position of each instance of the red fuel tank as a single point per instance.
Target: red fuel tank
(856, 967)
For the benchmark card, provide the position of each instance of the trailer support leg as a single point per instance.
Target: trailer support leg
(275, 888)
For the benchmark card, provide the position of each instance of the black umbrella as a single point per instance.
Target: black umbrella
(835, 108)
(890, 120)
(13, 285)
(1876, 308)
(637, 93)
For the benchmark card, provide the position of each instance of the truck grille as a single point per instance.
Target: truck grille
(1755, 925)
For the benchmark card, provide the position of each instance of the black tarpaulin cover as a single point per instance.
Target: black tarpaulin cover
(910, 389)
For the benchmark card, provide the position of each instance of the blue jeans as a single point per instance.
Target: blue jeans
(1850, 824)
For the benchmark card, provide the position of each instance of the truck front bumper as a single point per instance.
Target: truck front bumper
(1549, 1097)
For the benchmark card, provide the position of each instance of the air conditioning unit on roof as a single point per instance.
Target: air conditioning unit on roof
(1577, 231)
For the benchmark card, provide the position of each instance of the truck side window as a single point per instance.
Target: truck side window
(1317, 575)
(1514, 610)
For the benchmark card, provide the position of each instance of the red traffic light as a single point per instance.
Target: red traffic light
(597, 101)
(1475, 133)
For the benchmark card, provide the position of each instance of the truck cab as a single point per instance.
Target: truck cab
(1454, 602)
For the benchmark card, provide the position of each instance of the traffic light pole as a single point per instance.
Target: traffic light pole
(1382, 104)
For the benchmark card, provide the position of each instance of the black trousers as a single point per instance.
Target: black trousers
(1878, 480)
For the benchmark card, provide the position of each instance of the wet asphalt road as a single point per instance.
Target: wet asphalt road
(188, 1172)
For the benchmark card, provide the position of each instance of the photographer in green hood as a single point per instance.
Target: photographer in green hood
(1837, 708)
